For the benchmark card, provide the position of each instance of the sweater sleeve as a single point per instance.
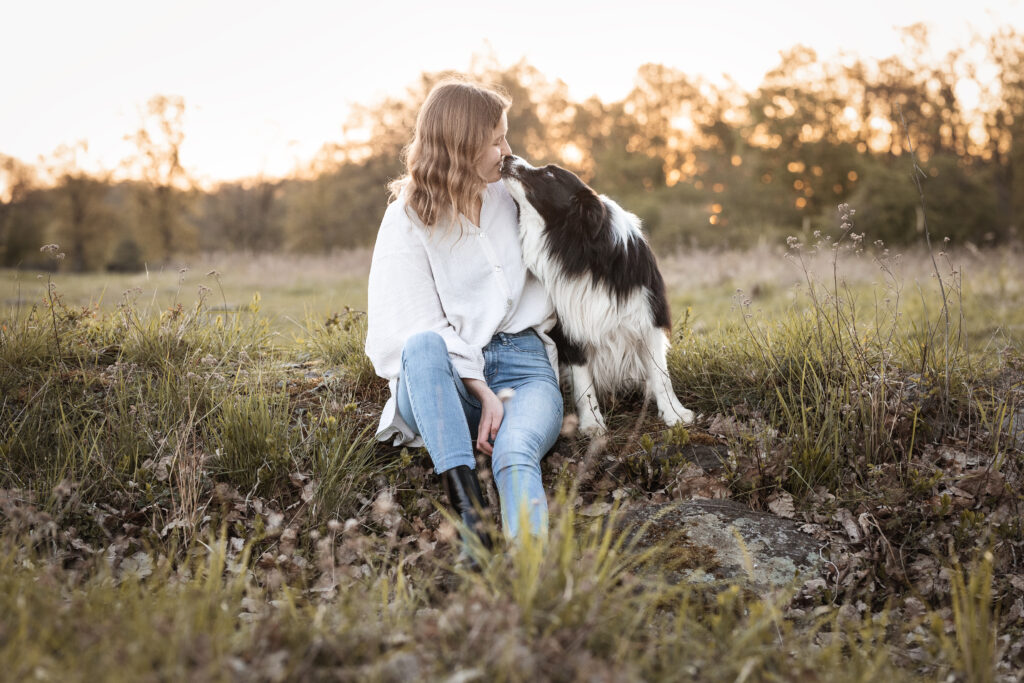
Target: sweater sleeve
(402, 300)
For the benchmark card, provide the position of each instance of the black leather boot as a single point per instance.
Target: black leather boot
(463, 490)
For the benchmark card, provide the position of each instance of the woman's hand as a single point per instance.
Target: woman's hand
(491, 413)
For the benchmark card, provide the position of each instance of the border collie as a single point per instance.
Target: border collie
(591, 256)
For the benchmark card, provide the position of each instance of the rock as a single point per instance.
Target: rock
(668, 465)
(710, 457)
(723, 539)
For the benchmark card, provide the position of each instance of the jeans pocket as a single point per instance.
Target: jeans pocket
(528, 343)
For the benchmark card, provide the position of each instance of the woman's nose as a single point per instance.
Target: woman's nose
(505, 149)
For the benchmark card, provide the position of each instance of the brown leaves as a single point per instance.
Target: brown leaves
(845, 517)
(980, 483)
(781, 504)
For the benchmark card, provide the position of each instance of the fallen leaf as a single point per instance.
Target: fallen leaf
(845, 517)
(596, 509)
(781, 504)
(140, 564)
(983, 483)
(726, 426)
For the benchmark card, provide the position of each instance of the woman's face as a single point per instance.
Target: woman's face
(489, 163)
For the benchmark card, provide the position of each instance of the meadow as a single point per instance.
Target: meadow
(190, 489)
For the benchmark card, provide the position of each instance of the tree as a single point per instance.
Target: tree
(161, 195)
(1004, 128)
(22, 212)
(82, 224)
(242, 216)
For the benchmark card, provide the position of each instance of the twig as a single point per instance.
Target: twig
(53, 316)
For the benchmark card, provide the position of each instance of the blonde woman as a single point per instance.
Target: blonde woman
(455, 319)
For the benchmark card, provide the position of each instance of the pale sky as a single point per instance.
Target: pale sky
(266, 83)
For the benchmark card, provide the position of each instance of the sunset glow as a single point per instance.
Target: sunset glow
(254, 108)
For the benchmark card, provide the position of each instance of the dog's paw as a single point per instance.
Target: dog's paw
(684, 416)
(591, 427)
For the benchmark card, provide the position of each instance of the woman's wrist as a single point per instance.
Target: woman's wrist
(477, 388)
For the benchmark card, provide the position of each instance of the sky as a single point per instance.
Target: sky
(267, 83)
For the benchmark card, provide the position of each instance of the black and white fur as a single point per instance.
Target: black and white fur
(594, 261)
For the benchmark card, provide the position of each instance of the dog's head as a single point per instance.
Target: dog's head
(561, 199)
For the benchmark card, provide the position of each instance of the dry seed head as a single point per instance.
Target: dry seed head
(570, 423)
(384, 503)
(446, 532)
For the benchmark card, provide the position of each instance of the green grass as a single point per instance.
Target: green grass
(289, 287)
(191, 492)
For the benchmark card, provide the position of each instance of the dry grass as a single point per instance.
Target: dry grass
(293, 285)
(191, 493)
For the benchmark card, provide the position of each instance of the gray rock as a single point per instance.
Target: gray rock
(722, 539)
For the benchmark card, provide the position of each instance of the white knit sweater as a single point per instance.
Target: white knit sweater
(466, 284)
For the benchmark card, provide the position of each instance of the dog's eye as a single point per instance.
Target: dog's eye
(549, 174)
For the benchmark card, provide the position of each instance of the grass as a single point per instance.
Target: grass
(289, 287)
(578, 604)
(190, 488)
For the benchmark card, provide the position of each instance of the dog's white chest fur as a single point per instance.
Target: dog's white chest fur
(611, 332)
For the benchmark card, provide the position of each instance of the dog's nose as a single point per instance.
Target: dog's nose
(507, 163)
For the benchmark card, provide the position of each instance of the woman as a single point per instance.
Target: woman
(455, 318)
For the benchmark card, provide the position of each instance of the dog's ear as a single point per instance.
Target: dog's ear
(588, 211)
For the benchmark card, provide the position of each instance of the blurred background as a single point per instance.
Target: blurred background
(137, 135)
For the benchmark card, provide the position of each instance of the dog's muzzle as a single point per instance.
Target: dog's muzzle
(507, 164)
(512, 166)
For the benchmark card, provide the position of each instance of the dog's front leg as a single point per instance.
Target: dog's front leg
(658, 381)
(584, 395)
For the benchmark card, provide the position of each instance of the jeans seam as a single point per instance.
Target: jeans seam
(463, 392)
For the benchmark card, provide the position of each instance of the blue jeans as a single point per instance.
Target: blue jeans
(434, 402)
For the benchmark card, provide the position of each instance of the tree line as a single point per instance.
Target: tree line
(700, 163)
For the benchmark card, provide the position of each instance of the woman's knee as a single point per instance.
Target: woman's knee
(424, 345)
(521, 473)
(530, 433)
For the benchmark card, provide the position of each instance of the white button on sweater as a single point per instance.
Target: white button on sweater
(466, 290)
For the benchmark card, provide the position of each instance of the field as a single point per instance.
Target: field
(190, 488)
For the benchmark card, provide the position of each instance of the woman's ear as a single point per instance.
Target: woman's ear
(588, 212)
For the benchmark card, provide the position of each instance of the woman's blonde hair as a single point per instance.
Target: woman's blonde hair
(454, 125)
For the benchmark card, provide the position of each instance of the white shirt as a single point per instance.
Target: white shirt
(465, 284)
